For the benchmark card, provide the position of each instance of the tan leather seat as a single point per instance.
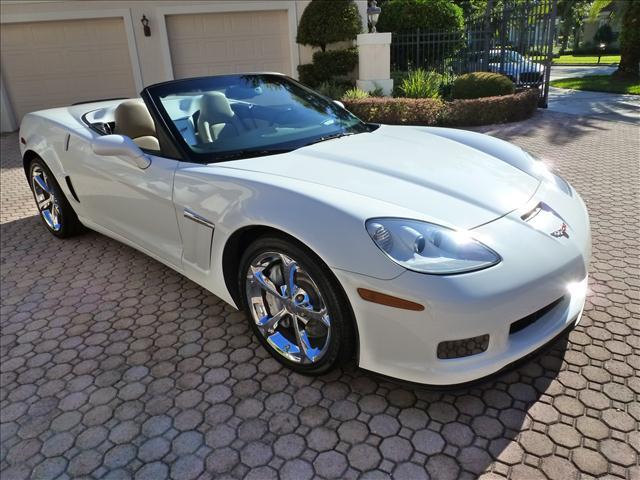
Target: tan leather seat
(217, 119)
(134, 120)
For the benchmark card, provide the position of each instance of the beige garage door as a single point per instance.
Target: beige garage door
(214, 43)
(51, 64)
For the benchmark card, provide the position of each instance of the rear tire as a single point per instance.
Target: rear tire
(53, 207)
(306, 322)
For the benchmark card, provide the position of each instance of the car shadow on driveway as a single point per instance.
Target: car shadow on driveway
(111, 360)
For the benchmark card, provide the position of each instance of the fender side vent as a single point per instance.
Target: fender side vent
(71, 189)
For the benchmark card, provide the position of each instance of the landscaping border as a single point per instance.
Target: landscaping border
(456, 113)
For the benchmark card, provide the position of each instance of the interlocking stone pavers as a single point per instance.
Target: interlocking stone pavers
(113, 366)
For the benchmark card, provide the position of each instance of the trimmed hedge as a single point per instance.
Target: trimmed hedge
(328, 21)
(481, 84)
(396, 111)
(488, 110)
(328, 66)
(457, 113)
(335, 63)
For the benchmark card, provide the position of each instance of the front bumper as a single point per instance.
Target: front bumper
(537, 271)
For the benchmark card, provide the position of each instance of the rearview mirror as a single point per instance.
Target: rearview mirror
(339, 103)
(120, 146)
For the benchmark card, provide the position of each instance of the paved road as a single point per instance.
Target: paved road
(558, 71)
(609, 106)
(113, 366)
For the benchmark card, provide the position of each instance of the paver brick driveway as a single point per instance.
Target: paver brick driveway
(113, 366)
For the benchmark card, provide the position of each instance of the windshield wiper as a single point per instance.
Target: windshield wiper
(240, 154)
(330, 137)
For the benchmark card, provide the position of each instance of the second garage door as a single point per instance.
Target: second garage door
(215, 43)
(51, 64)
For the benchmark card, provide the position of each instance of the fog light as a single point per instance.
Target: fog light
(463, 348)
(578, 289)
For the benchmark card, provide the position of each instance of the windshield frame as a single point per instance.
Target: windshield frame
(153, 94)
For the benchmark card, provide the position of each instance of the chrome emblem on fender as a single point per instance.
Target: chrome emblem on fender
(561, 232)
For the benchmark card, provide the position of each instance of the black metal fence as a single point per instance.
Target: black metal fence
(515, 39)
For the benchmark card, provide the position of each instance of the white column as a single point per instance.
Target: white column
(374, 62)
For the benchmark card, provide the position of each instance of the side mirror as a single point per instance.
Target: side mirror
(339, 103)
(120, 146)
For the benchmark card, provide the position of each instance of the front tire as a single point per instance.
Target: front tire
(295, 306)
(55, 211)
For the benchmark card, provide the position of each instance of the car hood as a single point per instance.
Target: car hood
(443, 179)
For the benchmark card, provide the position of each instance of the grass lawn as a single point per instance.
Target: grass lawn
(571, 59)
(599, 83)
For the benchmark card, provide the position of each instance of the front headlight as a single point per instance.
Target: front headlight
(429, 248)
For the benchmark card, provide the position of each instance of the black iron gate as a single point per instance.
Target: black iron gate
(514, 38)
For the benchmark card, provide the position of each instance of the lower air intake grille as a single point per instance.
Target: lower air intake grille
(531, 319)
(463, 348)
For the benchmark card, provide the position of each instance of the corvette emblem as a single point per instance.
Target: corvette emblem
(561, 232)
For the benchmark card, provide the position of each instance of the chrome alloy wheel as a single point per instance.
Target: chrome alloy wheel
(287, 307)
(45, 198)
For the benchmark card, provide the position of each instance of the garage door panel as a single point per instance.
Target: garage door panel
(213, 24)
(268, 45)
(244, 49)
(193, 51)
(50, 64)
(219, 43)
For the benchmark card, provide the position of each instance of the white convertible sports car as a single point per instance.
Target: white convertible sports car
(433, 255)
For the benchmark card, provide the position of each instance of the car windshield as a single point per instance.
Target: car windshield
(509, 56)
(236, 116)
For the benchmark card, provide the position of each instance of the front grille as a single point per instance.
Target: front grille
(463, 348)
(531, 319)
(531, 77)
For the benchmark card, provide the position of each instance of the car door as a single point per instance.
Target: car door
(134, 203)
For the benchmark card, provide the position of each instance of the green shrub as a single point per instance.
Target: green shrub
(398, 76)
(355, 94)
(430, 15)
(335, 63)
(458, 113)
(421, 84)
(446, 87)
(481, 84)
(328, 21)
(604, 34)
(332, 90)
(307, 75)
(328, 66)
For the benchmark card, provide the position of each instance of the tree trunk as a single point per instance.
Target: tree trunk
(576, 36)
(566, 31)
(630, 42)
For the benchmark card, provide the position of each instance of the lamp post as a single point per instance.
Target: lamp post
(373, 12)
(602, 46)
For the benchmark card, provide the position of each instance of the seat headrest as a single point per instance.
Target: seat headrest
(134, 120)
(215, 108)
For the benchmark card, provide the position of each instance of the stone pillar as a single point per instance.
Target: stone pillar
(374, 62)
